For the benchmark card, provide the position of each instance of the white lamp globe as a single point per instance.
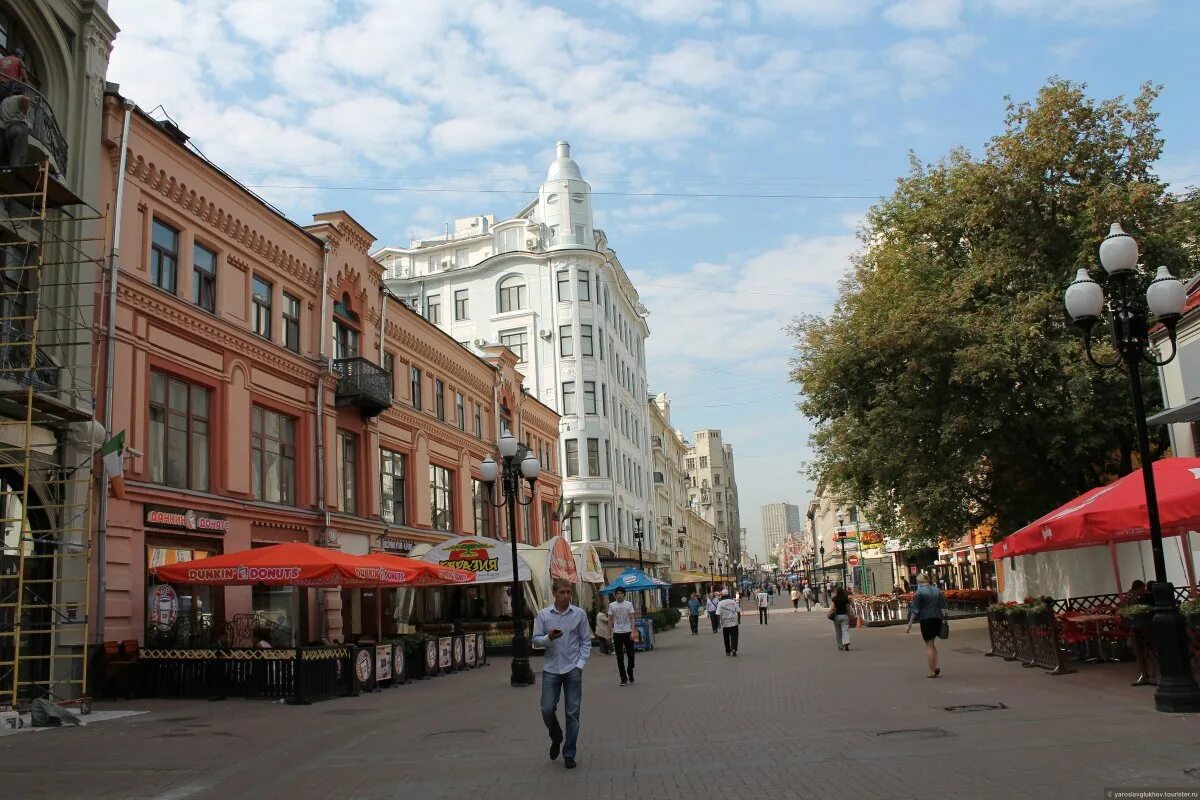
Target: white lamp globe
(488, 470)
(1166, 295)
(507, 445)
(1118, 251)
(1084, 298)
(530, 467)
(637, 514)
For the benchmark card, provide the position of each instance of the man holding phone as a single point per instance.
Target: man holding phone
(562, 630)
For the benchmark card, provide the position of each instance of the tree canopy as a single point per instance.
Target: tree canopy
(947, 385)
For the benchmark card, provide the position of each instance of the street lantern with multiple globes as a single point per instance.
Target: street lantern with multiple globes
(639, 535)
(1126, 314)
(514, 468)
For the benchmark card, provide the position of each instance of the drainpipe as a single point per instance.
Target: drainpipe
(383, 321)
(110, 348)
(322, 507)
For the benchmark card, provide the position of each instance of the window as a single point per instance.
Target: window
(576, 525)
(527, 524)
(460, 411)
(434, 262)
(593, 456)
(604, 399)
(461, 256)
(607, 458)
(460, 304)
(439, 398)
(579, 234)
(547, 513)
(433, 309)
(514, 295)
(345, 340)
(273, 456)
(716, 479)
(594, 522)
(389, 365)
(572, 458)
(441, 498)
(566, 342)
(600, 342)
(510, 240)
(483, 509)
(415, 388)
(719, 500)
(164, 256)
(516, 341)
(703, 462)
(589, 397)
(585, 285)
(392, 468)
(585, 340)
(568, 397)
(478, 421)
(291, 323)
(348, 472)
(262, 308)
(179, 419)
(204, 278)
(564, 286)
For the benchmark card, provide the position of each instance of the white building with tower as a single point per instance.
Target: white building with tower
(546, 284)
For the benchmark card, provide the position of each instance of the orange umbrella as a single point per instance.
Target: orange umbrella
(289, 564)
(419, 573)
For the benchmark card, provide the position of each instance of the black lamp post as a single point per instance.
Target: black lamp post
(638, 534)
(712, 575)
(1126, 314)
(841, 535)
(518, 463)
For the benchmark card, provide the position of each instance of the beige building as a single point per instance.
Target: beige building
(669, 481)
(712, 491)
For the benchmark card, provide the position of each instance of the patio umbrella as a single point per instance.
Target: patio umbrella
(634, 580)
(1115, 513)
(414, 572)
(289, 564)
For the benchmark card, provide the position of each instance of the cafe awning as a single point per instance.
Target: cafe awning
(1188, 412)
(287, 564)
(421, 573)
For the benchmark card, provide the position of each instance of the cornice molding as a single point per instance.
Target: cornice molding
(161, 308)
(217, 218)
(439, 359)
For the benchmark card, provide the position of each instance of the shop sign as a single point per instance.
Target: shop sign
(390, 544)
(185, 519)
(445, 652)
(383, 662)
(363, 666)
(490, 560)
(164, 606)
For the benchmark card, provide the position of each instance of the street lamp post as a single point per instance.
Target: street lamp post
(515, 467)
(712, 575)
(842, 539)
(1125, 313)
(638, 534)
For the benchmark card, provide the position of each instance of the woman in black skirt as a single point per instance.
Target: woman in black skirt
(928, 608)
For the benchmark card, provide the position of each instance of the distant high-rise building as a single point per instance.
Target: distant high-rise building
(779, 520)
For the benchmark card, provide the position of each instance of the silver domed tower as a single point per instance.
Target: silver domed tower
(565, 204)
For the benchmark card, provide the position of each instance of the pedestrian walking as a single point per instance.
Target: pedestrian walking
(711, 607)
(623, 614)
(561, 629)
(731, 617)
(694, 613)
(839, 612)
(604, 630)
(929, 609)
(770, 593)
(808, 598)
(764, 600)
(795, 599)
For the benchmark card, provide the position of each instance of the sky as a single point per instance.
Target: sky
(733, 147)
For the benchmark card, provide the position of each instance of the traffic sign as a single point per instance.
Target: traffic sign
(852, 560)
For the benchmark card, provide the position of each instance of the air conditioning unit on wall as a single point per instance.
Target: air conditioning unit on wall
(546, 333)
(479, 342)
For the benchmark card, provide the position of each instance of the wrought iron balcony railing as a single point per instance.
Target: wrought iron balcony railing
(364, 384)
(20, 363)
(43, 124)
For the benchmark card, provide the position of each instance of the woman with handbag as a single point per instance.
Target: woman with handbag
(839, 612)
(929, 608)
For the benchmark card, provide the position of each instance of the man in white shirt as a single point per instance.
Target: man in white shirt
(808, 597)
(711, 607)
(730, 614)
(622, 613)
(763, 601)
(562, 630)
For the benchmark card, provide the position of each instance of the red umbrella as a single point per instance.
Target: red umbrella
(1116, 512)
(290, 564)
(413, 572)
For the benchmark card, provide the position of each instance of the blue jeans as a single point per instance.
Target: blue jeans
(572, 689)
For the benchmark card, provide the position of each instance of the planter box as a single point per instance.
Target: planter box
(1139, 622)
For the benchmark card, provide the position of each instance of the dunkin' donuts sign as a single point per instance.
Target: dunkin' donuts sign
(185, 519)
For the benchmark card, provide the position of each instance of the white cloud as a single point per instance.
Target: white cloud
(1070, 49)
(926, 66)
(1093, 12)
(675, 12)
(925, 14)
(692, 63)
(272, 22)
(830, 13)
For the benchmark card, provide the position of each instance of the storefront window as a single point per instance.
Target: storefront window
(180, 615)
(272, 605)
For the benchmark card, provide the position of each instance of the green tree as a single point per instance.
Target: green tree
(947, 385)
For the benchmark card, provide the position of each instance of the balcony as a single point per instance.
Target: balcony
(44, 133)
(656, 442)
(664, 522)
(364, 384)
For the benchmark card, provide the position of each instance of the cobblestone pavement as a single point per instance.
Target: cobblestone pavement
(790, 717)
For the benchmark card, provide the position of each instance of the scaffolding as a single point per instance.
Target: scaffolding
(50, 276)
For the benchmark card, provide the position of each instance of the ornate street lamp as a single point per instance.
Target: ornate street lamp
(518, 463)
(1125, 313)
(638, 534)
(841, 535)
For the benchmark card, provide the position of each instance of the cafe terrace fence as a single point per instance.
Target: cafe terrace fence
(1036, 640)
(893, 609)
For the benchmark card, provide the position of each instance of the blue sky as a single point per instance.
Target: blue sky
(686, 116)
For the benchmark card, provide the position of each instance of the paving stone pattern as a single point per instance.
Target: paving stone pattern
(790, 717)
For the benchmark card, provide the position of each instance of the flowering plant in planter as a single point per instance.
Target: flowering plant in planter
(1136, 615)
(1191, 611)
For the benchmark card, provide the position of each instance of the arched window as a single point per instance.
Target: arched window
(345, 329)
(514, 295)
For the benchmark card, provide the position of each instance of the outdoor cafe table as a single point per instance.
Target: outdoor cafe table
(1096, 620)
